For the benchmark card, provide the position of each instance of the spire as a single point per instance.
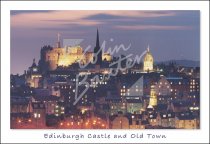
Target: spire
(148, 48)
(97, 50)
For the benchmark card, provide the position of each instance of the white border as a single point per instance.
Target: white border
(36, 136)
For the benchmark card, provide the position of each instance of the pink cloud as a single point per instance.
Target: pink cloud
(153, 27)
(40, 19)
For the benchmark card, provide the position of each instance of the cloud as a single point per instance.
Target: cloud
(39, 19)
(153, 27)
(18, 12)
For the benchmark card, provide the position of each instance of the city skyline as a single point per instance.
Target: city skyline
(170, 34)
(99, 86)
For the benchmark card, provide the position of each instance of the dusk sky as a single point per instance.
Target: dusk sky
(170, 34)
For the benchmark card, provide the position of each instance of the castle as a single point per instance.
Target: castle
(54, 57)
(68, 55)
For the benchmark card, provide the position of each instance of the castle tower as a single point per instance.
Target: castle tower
(153, 96)
(98, 51)
(148, 61)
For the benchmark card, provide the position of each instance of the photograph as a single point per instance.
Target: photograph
(105, 69)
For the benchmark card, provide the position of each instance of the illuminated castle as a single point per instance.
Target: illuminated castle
(72, 54)
(148, 61)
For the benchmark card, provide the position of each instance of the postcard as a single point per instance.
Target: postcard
(84, 75)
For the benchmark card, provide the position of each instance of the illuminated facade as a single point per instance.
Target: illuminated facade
(153, 97)
(163, 87)
(33, 76)
(65, 56)
(73, 54)
(148, 61)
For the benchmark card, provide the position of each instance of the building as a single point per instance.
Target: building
(33, 75)
(20, 104)
(148, 61)
(179, 86)
(131, 86)
(120, 122)
(39, 115)
(152, 118)
(166, 119)
(135, 121)
(194, 85)
(163, 87)
(153, 97)
(50, 103)
(97, 52)
(186, 121)
(71, 54)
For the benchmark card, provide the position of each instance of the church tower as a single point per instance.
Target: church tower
(153, 97)
(98, 51)
(148, 61)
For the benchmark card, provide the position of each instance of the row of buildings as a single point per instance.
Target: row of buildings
(47, 94)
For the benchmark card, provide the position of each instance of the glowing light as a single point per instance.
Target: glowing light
(61, 123)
